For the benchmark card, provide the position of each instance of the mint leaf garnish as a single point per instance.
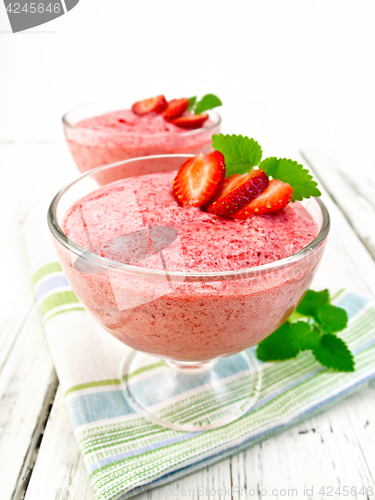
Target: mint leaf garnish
(331, 319)
(310, 340)
(311, 327)
(192, 101)
(293, 173)
(278, 346)
(332, 352)
(209, 101)
(297, 334)
(311, 301)
(241, 153)
(286, 342)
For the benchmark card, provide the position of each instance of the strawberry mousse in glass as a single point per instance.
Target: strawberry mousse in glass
(189, 291)
(106, 132)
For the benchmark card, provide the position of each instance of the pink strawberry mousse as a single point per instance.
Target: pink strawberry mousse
(121, 135)
(184, 317)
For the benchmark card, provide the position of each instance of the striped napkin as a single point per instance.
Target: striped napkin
(124, 454)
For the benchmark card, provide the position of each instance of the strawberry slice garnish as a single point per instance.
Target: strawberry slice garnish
(238, 191)
(228, 185)
(273, 199)
(176, 108)
(199, 178)
(189, 121)
(156, 104)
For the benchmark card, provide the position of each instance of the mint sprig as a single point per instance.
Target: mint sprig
(191, 101)
(294, 174)
(208, 101)
(311, 301)
(311, 327)
(242, 154)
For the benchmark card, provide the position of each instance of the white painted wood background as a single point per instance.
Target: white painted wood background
(39, 458)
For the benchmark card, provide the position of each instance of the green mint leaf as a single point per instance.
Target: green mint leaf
(331, 319)
(311, 301)
(331, 351)
(300, 335)
(241, 153)
(311, 326)
(277, 346)
(286, 342)
(192, 101)
(209, 101)
(297, 332)
(294, 174)
(310, 340)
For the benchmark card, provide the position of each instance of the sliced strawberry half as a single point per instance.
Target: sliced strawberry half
(176, 108)
(199, 178)
(273, 199)
(189, 121)
(238, 191)
(228, 185)
(156, 104)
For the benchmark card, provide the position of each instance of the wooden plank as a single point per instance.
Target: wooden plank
(27, 376)
(17, 300)
(346, 262)
(350, 179)
(33, 173)
(27, 386)
(59, 472)
(324, 451)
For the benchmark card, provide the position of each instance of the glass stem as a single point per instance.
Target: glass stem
(191, 366)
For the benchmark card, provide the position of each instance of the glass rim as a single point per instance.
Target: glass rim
(67, 123)
(107, 264)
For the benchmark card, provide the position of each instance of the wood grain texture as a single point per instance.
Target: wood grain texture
(351, 181)
(346, 262)
(27, 377)
(59, 459)
(27, 386)
(332, 449)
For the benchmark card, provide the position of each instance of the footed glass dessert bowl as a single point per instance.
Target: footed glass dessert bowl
(106, 132)
(188, 291)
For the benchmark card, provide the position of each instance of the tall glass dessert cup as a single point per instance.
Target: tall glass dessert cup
(196, 326)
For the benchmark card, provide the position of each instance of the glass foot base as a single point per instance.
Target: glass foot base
(189, 396)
